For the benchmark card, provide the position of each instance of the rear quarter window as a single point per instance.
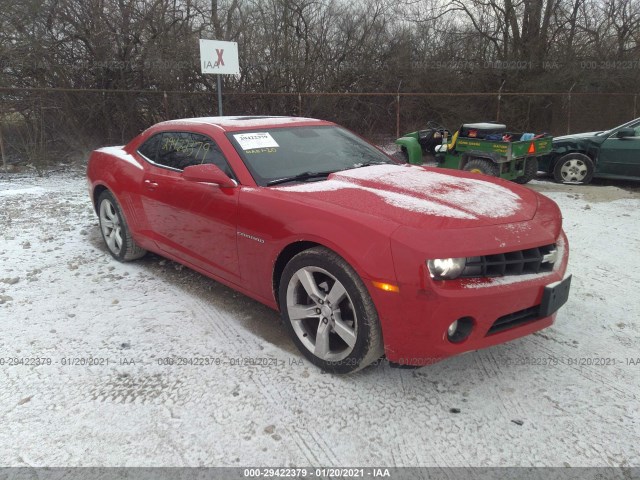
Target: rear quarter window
(150, 148)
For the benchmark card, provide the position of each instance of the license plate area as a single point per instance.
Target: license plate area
(554, 296)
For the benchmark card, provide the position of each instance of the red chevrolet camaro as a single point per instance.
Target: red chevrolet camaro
(362, 256)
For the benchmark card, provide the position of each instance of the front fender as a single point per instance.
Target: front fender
(568, 147)
(588, 146)
(363, 243)
(565, 146)
(369, 254)
(413, 149)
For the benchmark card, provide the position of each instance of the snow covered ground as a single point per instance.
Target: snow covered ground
(565, 396)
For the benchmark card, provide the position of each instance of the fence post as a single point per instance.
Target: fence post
(398, 109)
(398, 115)
(635, 106)
(569, 109)
(41, 153)
(4, 160)
(499, 99)
(299, 104)
(165, 103)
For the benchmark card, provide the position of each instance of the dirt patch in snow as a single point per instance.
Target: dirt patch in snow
(599, 191)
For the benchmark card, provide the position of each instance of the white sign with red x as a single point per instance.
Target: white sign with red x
(219, 57)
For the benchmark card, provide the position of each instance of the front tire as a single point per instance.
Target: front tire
(479, 165)
(329, 313)
(401, 156)
(115, 231)
(573, 168)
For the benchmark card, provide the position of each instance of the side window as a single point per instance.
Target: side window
(182, 149)
(150, 148)
(176, 151)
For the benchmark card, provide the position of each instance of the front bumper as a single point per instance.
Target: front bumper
(415, 321)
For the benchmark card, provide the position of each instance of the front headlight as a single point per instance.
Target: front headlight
(446, 268)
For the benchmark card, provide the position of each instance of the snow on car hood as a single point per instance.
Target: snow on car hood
(576, 136)
(417, 196)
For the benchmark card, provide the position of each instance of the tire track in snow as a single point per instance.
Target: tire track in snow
(589, 372)
(507, 406)
(490, 370)
(233, 333)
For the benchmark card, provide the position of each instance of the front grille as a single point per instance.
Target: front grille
(520, 262)
(515, 319)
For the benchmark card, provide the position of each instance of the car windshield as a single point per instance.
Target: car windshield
(283, 155)
(632, 124)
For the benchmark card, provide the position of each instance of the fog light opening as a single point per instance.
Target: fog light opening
(459, 330)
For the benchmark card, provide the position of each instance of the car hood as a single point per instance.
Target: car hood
(421, 197)
(579, 140)
(576, 136)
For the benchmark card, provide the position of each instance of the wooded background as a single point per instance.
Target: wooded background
(81, 73)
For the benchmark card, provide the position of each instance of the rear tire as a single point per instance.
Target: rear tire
(530, 171)
(479, 165)
(573, 168)
(329, 313)
(115, 231)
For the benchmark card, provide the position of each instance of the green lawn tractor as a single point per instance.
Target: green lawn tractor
(486, 148)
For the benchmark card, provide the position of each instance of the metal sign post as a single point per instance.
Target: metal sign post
(219, 58)
(219, 95)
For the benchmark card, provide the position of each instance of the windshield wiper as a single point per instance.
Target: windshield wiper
(300, 176)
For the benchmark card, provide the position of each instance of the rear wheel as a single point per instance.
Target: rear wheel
(479, 165)
(328, 312)
(530, 171)
(573, 168)
(114, 229)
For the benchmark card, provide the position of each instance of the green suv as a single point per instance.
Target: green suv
(580, 157)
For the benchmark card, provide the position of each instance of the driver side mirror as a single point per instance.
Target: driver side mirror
(208, 173)
(626, 132)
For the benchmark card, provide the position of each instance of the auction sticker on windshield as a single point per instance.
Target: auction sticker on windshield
(249, 141)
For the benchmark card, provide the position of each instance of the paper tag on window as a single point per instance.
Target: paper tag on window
(249, 141)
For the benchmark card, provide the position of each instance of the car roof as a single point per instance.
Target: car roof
(237, 123)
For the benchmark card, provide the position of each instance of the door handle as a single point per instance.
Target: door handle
(150, 184)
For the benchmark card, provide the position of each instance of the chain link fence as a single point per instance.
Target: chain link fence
(42, 126)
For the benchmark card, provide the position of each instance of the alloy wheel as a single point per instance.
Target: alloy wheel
(322, 314)
(574, 170)
(111, 226)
